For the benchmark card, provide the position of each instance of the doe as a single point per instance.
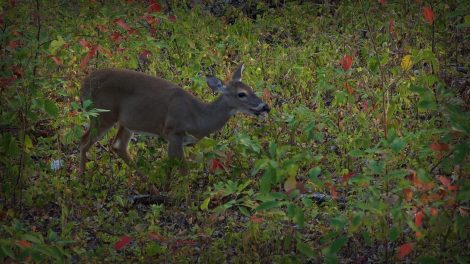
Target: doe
(145, 104)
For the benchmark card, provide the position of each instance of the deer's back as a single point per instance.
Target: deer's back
(137, 100)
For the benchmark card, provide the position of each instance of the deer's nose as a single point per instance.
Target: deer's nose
(265, 108)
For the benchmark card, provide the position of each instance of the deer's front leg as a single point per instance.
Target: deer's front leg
(176, 152)
(175, 147)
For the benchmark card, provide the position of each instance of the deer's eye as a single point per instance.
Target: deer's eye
(241, 95)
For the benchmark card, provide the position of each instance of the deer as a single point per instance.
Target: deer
(141, 103)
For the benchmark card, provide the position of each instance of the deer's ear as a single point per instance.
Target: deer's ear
(237, 74)
(215, 84)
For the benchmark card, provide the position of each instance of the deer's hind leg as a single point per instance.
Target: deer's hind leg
(98, 128)
(121, 143)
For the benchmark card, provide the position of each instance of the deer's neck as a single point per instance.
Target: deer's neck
(213, 117)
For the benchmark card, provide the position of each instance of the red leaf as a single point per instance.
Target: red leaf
(408, 194)
(404, 250)
(122, 242)
(1, 19)
(84, 43)
(24, 243)
(116, 36)
(428, 15)
(154, 6)
(301, 187)
(4, 82)
(382, 2)
(391, 26)
(267, 96)
(90, 54)
(347, 176)
(419, 218)
(433, 211)
(365, 105)
(346, 62)
(418, 183)
(333, 192)
(17, 71)
(145, 54)
(444, 181)
(172, 18)
(56, 60)
(439, 146)
(153, 31)
(418, 234)
(215, 165)
(14, 44)
(122, 24)
(151, 20)
(185, 242)
(256, 219)
(348, 88)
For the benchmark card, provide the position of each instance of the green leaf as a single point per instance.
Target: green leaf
(463, 195)
(6, 251)
(51, 108)
(314, 173)
(207, 143)
(272, 149)
(244, 211)
(259, 165)
(12, 148)
(291, 210)
(205, 204)
(267, 205)
(153, 249)
(290, 184)
(36, 238)
(427, 104)
(428, 260)
(357, 219)
(356, 153)
(377, 167)
(86, 104)
(56, 44)
(52, 236)
(423, 175)
(307, 202)
(299, 217)
(338, 244)
(305, 249)
(338, 222)
(397, 145)
(394, 233)
(292, 170)
(367, 238)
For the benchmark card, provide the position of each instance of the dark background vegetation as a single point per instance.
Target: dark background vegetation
(364, 157)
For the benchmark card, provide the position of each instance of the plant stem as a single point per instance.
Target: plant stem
(382, 75)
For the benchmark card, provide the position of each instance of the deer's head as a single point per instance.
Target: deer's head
(238, 95)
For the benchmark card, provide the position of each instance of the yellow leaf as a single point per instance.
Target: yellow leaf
(28, 143)
(290, 184)
(406, 63)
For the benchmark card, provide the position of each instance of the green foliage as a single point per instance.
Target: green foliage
(384, 141)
